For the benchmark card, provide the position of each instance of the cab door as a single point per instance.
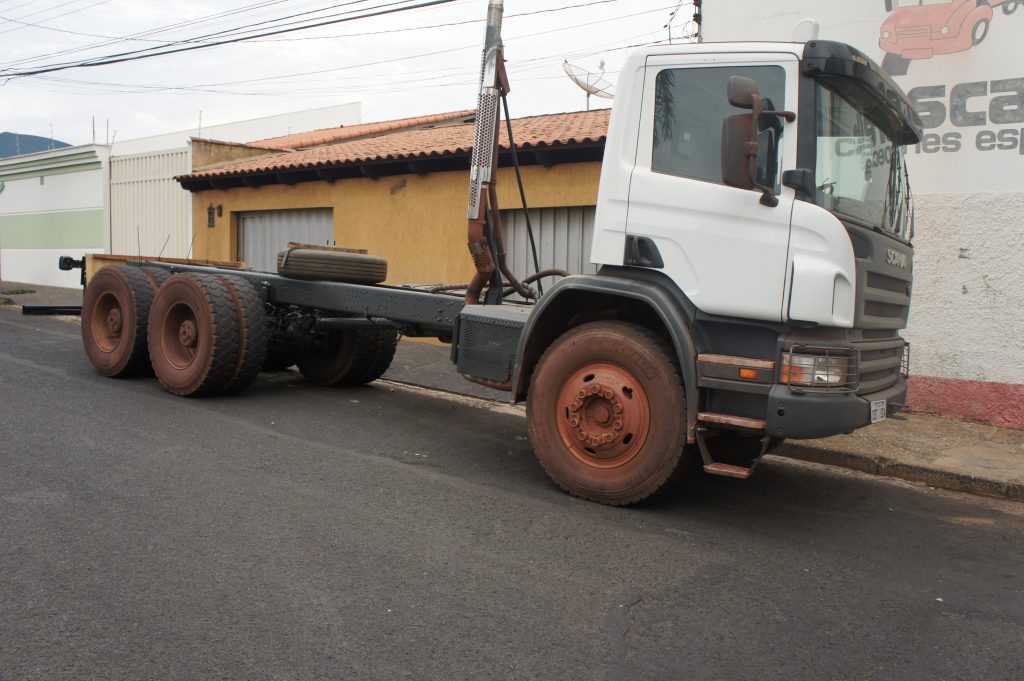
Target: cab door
(721, 246)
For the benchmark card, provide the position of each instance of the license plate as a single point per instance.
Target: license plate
(877, 411)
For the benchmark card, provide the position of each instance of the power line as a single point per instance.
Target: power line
(196, 40)
(24, 24)
(517, 66)
(138, 36)
(117, 60)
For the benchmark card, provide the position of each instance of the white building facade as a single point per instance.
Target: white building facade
(52, 203)
(962, 63)
(119, 199)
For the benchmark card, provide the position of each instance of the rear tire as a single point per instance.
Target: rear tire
(353, 268)
(606, 412)
(348, 358)
(115, 310)
(252, 336)
(194, 335)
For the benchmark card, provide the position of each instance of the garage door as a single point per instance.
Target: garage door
(262, 234)
(563, 237)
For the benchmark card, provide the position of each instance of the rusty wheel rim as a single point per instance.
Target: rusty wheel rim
(180, 335)
(604, 414)
(107, 322)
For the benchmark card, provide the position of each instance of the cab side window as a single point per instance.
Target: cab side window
(689, 107)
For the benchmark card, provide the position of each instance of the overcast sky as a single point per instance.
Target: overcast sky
(393, 72)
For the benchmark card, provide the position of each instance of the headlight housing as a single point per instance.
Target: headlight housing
(945, 30)
(886, 35)
(827, 370)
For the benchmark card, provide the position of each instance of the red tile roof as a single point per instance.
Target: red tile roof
(535, 132)
(322, 136)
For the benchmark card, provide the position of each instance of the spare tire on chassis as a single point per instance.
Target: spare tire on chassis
(321, 264)
(115, 310)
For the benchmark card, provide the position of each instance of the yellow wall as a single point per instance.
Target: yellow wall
(418, 223)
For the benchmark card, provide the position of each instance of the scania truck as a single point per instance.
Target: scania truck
(754, 242)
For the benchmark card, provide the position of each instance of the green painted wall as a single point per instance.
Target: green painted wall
(65, 229)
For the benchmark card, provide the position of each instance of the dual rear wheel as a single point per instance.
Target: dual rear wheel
(204, 334)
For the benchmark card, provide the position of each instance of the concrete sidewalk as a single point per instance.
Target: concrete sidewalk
(965, 457)
(18, 293)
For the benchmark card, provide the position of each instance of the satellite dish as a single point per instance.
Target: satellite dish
(590, 82)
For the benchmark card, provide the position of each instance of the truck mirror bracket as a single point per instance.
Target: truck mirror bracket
(801, 180)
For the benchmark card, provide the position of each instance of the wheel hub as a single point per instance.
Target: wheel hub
(187, 333)
(114, 322)
(605, 414)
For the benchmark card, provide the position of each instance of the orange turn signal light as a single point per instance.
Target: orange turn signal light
(749, 374)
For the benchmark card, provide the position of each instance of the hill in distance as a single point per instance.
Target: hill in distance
(13, 144)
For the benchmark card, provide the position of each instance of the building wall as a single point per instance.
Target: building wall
(417, 222)
(966, 318)
(52, 204)
(149, 213)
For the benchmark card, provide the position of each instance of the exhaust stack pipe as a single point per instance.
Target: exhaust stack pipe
(484, 163)
(486, 139)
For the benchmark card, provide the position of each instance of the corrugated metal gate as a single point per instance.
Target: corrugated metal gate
(262, 234)
(150, 212)
(563, 237)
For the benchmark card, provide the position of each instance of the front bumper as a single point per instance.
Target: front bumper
(801, 415)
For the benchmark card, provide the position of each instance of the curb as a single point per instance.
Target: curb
(885, 467)
(880, 466)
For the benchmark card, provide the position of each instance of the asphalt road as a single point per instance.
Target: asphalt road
(294, 532)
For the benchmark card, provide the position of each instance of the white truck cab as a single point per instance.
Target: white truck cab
(755, 210)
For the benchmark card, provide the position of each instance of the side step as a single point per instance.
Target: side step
(725, 469)
(728, 470)
(729, 420)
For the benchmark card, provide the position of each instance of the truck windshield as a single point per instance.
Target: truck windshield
(860, 171)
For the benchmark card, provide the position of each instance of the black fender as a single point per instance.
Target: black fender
(652, 289)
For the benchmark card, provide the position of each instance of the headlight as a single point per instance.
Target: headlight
(816, 370)
(945, 30)
(886, 35)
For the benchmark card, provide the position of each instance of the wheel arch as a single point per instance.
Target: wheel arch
(643, 296)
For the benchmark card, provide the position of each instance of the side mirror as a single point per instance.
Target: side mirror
(740, 138)
(742, 91)
(738, 151)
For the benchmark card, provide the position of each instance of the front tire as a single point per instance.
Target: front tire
(606, 412)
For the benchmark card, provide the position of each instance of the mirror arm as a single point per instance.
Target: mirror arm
(788, 116)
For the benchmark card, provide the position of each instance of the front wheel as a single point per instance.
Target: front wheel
(607, 413)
